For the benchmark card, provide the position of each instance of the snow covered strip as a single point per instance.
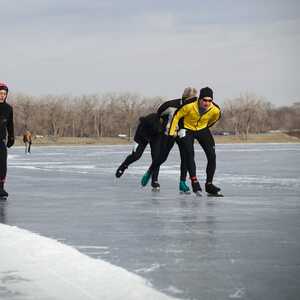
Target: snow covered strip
(36, 267)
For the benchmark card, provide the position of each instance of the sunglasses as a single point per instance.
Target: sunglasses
(206, 100)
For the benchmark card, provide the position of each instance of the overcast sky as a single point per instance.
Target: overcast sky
(152, 47)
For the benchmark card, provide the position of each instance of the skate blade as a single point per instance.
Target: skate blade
(184, 193)
(198, 194)
(215, 195)
(155, 189)
(3, 198)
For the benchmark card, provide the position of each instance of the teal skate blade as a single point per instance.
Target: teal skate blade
(185, 192)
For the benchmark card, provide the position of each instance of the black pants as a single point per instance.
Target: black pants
(3, 162)
(167, 144)
(141, 144)
(206, 140)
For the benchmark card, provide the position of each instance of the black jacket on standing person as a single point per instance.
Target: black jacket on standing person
(6, 140)
(6, 124)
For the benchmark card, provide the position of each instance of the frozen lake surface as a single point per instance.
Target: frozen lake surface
(243, 246)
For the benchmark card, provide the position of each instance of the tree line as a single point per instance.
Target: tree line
(109, 115)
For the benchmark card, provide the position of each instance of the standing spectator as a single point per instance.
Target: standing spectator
(7, 138)
(27, 139)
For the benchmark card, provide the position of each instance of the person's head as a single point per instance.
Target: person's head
(206, 97)
(189, 92)
(3, 92)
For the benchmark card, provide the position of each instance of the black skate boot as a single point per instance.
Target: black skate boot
(196, 187)
(3, 192)
(155, 186)
(212, 190)
(120, 171)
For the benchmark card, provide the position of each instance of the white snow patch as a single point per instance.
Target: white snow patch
(36, 267)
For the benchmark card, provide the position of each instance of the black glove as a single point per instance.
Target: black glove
(10, 142)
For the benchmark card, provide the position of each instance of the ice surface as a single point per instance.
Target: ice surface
(243, 246)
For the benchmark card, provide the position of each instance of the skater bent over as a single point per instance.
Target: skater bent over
(198, 117)
(166, 112)
(6, 135)
(149, 131)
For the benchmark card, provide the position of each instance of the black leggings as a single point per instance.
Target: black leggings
(155, 144)
(167, 144)
(3, 161)
(206, 140)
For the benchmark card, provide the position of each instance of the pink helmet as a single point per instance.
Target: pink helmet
(3, 86)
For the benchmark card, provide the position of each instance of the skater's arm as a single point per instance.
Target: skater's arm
(180, 113)
(214, 118)
(10, 130)
(163, 109)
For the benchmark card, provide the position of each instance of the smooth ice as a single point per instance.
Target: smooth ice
(243, 246)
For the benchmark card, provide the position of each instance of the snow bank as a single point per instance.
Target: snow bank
(36, 267)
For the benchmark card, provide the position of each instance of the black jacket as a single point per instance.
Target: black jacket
(148, 128)
(6, 122)
(168, 108)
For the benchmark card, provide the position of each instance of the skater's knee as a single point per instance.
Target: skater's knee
(137, 155)
(211, 155)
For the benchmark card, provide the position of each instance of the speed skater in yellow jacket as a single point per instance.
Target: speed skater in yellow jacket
(194, 118)
(198, 117)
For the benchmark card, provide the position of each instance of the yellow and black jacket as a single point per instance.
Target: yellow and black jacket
(193, 119)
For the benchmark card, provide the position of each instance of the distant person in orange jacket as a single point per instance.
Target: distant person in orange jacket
(27, 139)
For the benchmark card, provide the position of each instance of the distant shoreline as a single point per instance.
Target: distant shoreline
(277, 137)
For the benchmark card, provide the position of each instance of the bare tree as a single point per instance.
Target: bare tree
(247, 113)
(113, 113)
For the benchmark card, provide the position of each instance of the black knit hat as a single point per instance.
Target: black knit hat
(206, 92)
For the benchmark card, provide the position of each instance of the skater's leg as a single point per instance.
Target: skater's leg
(165, 146)
(3, 168)
(137, 151)
(188, 144)
(183, 159)
(183, 187)
(156, 151)
(208, 144)
(159, 152)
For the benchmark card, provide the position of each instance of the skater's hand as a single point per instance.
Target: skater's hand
(10, 142)
(182, 133)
